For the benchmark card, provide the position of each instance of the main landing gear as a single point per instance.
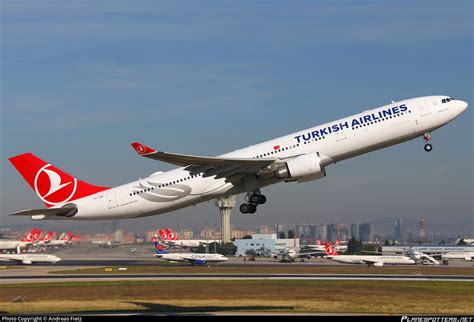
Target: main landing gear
(253, 198)
(427, 137)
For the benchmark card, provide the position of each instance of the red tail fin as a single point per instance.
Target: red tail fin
(53, 186)
(49, 235)
(163, 235)
(329, 250)
(171, 235)
(33, 235)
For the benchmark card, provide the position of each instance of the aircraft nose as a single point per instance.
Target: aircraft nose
(462, 106)
(459, 108)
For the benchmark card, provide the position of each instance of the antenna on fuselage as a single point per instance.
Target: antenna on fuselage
(393, 102)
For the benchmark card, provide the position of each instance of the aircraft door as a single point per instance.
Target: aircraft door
(425, 108)
(340, 135)
(112, 200)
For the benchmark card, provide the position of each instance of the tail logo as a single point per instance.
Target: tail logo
(53, 188)
(141, 149)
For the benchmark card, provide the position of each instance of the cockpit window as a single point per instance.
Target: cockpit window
(443, 101)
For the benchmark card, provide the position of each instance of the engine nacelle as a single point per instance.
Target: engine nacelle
(378, 264)
(305, 167)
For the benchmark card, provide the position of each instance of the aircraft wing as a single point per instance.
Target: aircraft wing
(209, 166)
(193, 260)
(372, 262)
(43, 213)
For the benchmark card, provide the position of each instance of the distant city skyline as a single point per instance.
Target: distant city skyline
(82, 80)
(367, 232)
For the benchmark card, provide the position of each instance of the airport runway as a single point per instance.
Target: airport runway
(18, 278)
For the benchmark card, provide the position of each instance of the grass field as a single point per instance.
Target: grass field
(283, 269)
(11, 267)
(380, 297)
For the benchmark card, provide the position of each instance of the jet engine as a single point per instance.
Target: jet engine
(378, 264)
(302, 168)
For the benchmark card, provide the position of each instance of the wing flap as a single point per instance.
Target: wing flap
(208, 166)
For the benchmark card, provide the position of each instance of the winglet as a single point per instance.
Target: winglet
(142, 149)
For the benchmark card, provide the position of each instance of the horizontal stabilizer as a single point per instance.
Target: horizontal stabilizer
(60, 212)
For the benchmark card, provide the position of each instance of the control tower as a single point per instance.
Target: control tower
(225, 207)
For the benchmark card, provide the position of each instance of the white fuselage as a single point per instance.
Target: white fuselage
(458, 255)
(334, 141)
(191, 242)
(13, 244)
(192, 257)
(30, 258)
(362, 259)
(57, 242)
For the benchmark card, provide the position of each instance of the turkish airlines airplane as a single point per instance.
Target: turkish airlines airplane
(300, 156)
(46, 239)
(193, 258)
(29, 239)
(370, 260)
(63, 240)
(320, 247)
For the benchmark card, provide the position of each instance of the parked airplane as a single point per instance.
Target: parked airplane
(63, 240)
(46, 239)
(108, 244)
(467, 241)
(370, 260)
(300, 156)
(28, 259)
(467, 256)
(320, 247)
(172, 239)
(292, 254)
(420, 256)
(27, 240)
(193, 258)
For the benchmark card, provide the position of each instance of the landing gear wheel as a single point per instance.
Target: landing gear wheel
(257, 199)
(244, 208)
(254, 199)
(428, 147)
(252, 209)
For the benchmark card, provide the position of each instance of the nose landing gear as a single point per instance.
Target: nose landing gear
(426, 138)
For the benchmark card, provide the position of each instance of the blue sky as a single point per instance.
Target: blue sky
(82, 80)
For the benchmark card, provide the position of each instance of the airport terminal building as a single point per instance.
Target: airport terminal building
(427, 249)
(264, 245)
